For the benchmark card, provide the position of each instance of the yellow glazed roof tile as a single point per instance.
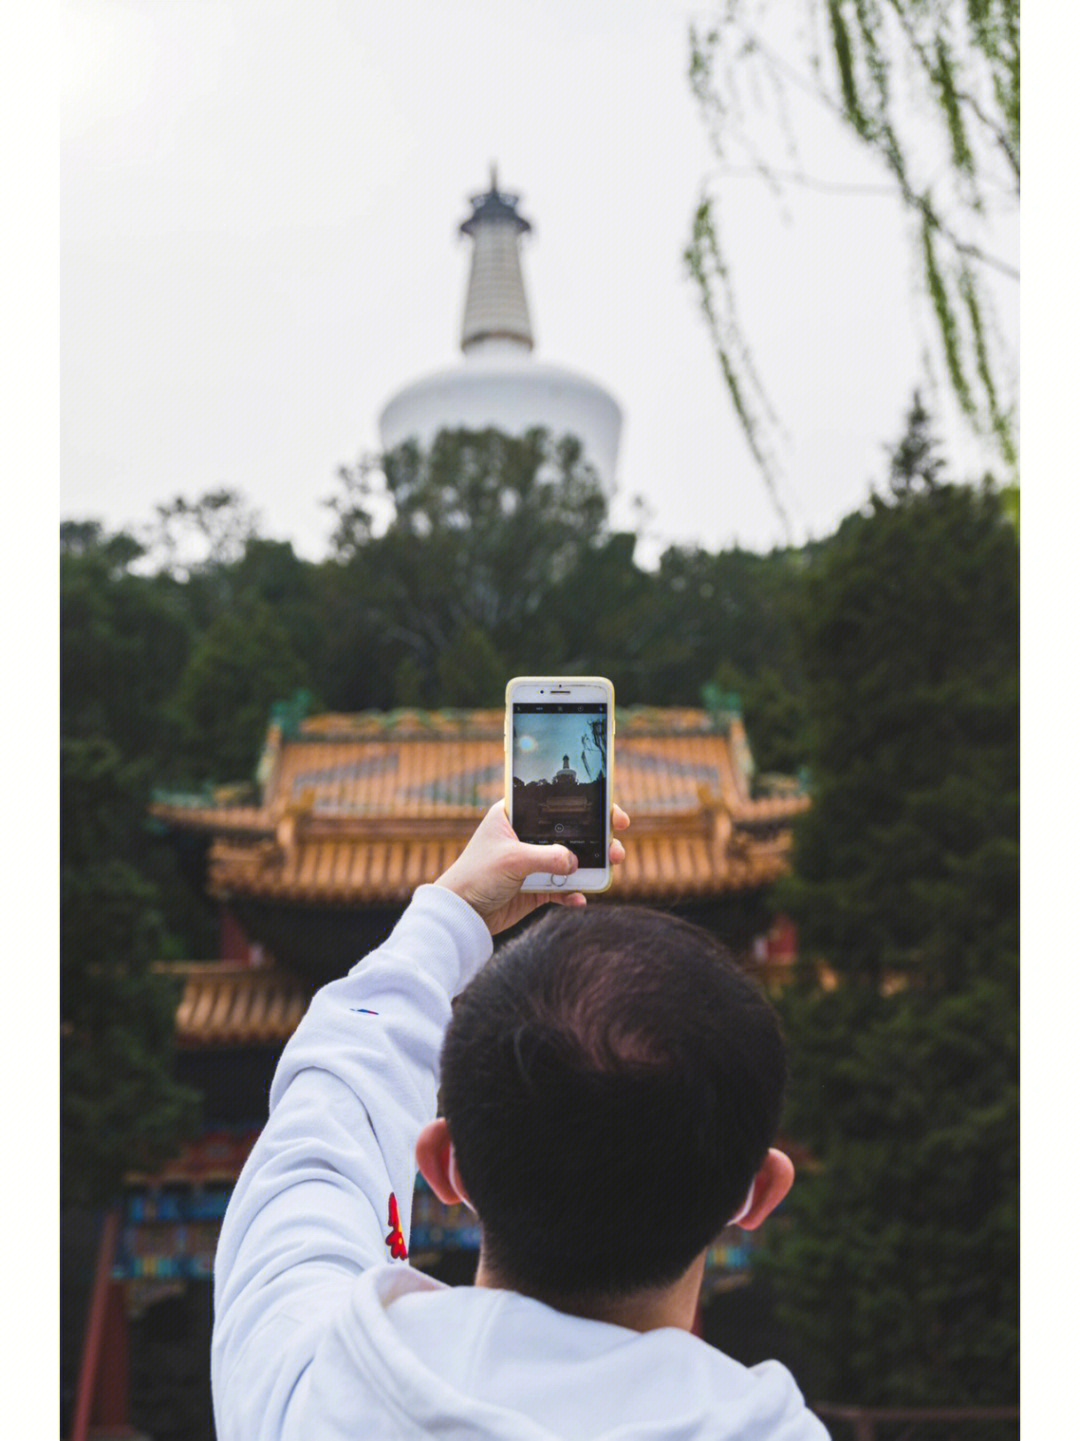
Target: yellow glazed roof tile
(362, 809)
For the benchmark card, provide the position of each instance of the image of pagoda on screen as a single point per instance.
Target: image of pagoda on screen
(560, 785)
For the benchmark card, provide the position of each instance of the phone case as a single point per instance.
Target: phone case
(555, 680)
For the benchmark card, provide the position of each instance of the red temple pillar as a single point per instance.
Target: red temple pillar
(232, 941)
(114, 1378)
(102, 1388)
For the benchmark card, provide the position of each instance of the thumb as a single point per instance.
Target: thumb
(552, 860)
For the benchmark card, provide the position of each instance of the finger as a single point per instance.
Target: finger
(618, 853)
(551, 860)
(574, 899)
(619, 819)
(498, 815)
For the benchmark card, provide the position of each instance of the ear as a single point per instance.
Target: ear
(435, 1159)
(771, 1184)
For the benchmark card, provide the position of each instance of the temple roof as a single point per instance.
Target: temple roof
(359, 810)
(233, 1004)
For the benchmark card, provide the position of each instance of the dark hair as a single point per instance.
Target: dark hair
(611, 1082)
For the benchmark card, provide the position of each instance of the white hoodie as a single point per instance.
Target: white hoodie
(322, 1331)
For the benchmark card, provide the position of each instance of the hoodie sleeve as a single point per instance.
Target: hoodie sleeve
(327, 1189)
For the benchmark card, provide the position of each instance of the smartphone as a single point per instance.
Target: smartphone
(560, 733)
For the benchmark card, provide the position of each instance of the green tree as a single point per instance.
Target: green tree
(597, 620)
(240, 666)
(121, 1108)
(931, 89)
(910, 651)
(471, 672)
(724, 618)
(124, 640)
(775, 718)
(733, 609)
(270, 572)
(408, 683)
(189, 537)
(897, 1261)
(483, 527)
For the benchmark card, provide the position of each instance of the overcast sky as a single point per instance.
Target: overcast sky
(259, 245)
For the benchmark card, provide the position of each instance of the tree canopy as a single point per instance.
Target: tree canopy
(910, 646)
(896, 1256)
(493, 557)
(241, 664)
(483, 527)
(122, 1110)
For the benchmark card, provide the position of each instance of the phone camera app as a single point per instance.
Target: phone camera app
(559, 778)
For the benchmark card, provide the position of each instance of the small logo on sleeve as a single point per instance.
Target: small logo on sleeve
(363, 1011)
(396, 1240)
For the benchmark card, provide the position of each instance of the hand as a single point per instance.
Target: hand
(489, 872)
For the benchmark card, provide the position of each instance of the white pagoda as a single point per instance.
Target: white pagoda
(498, 382)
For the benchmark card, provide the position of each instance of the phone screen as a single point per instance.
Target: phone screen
(559, 766)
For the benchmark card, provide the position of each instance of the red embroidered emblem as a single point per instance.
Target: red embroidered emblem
(395, 1240)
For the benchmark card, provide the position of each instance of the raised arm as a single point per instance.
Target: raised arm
(327, 1189)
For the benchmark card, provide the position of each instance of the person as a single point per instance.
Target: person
(610, 1086)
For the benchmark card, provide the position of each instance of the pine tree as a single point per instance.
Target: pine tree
(242, 664)
(896, 1256)
(122, 1108)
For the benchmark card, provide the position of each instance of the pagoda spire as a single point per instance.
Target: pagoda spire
(495, 303)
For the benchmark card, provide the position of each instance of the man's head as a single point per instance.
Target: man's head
(611, 1083)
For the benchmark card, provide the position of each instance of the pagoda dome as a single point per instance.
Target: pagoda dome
(498, 383)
